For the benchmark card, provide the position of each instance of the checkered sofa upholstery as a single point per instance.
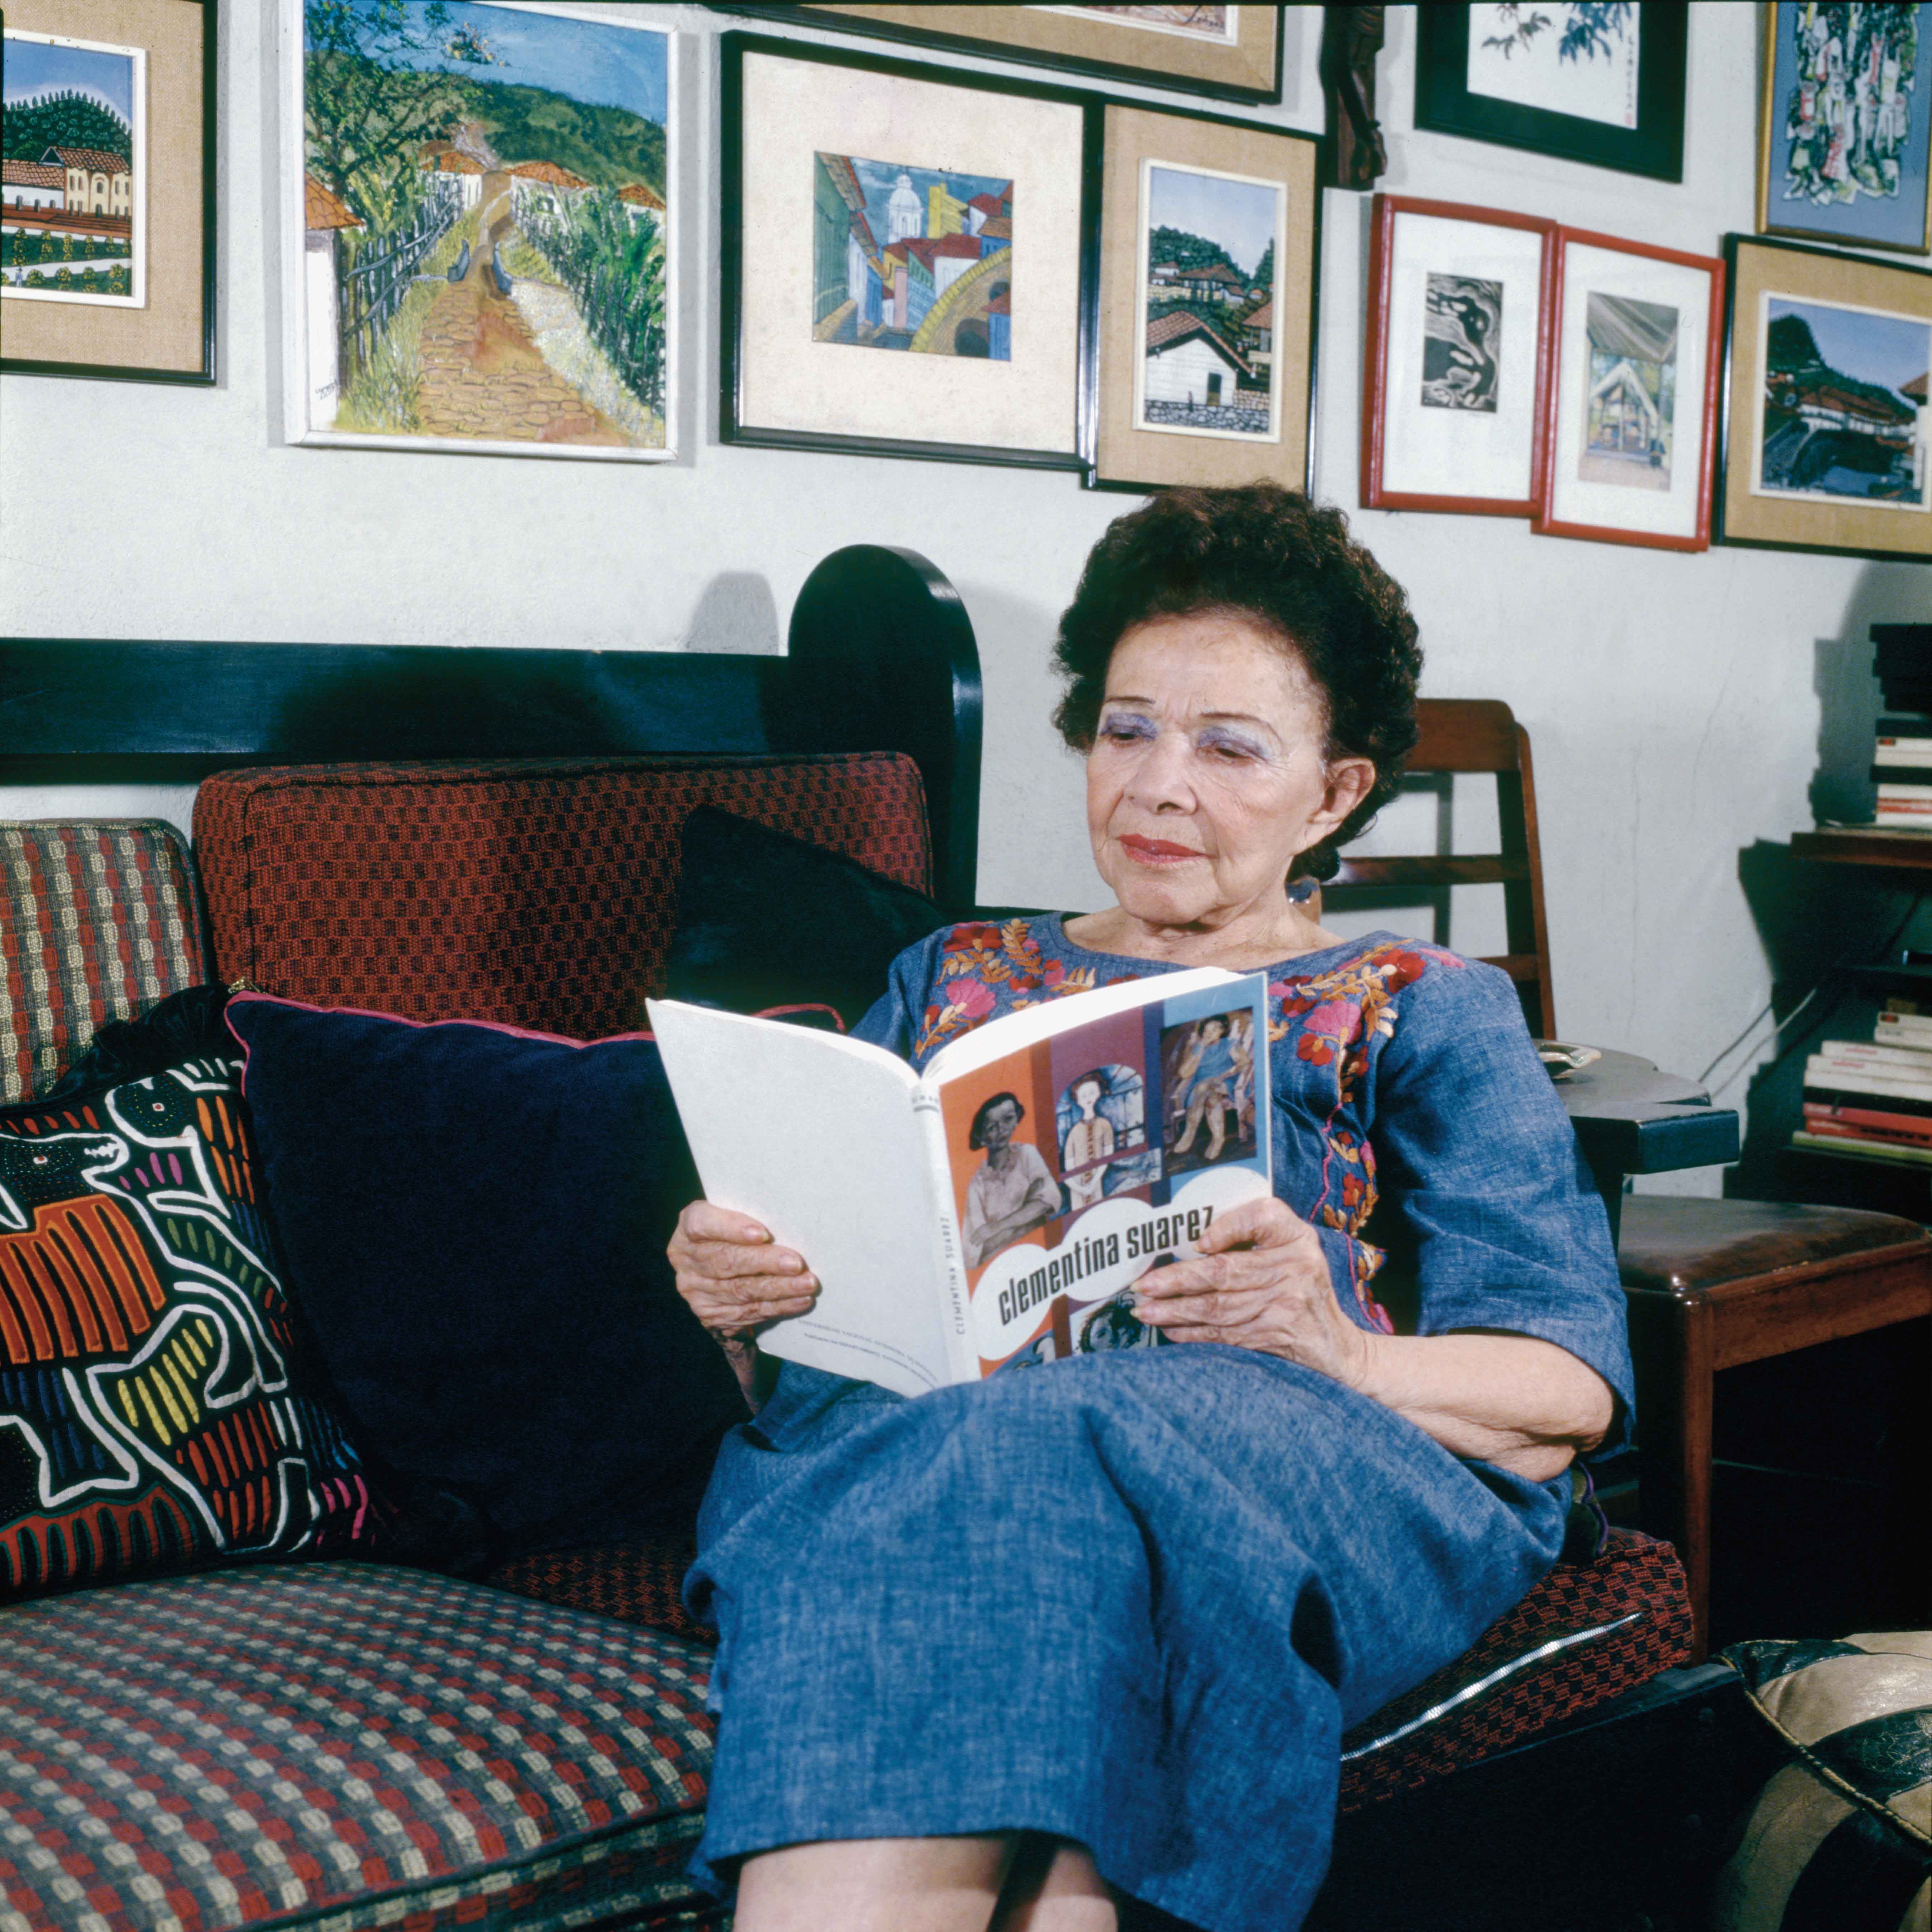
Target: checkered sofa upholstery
(341, 1744)
(98, 918)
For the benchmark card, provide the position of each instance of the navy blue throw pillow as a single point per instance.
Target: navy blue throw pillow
(474, 1220)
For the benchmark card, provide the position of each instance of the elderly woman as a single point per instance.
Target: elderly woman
(1011, 1653)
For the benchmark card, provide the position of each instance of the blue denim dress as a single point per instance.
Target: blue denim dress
(1134, 1601)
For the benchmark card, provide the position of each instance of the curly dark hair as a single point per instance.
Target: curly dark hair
(1270, 555)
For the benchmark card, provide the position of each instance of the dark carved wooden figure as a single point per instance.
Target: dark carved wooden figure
(1352, 37)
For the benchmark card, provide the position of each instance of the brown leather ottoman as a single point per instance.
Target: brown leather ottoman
(1712, 1284)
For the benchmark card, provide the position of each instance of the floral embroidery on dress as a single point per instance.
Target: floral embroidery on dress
(977, 961)
(1341, 1014)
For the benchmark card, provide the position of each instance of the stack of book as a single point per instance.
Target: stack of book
(1902, 759)
(1874, 1098)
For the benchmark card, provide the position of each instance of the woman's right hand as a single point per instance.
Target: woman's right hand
(735, 1277)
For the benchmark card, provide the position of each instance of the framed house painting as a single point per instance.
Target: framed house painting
(1845, 146)
(1601, 81)
(1631, 408)
(1454, 378)
(478, 209)
(1232, 52)
(107, 213)
(1829, 356)
(904, 256)
(1209, 236)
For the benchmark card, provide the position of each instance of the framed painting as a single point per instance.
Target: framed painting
(1457, 364)
(1845, 142)
(478, 211)
(1826, 445)
(1210, 239)
(1630, 408)
(1600, 81)
(1232, 52)
(905, 257)
(107, 214)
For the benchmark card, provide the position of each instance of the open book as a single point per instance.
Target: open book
(994, 1211)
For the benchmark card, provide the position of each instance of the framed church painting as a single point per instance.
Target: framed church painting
(1457, 358)
(905, 257)
(1630, 409)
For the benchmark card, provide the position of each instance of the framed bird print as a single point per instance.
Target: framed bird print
(478, 221)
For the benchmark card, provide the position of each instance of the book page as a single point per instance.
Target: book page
(1082, 1155)
(814, 1135)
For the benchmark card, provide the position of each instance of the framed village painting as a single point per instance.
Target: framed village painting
(1829, 355)
(1458, 353)
(1631, 408)
(1845, 147)
(1232, 52)
(478, 202)
(902, 258)
(1601, 81)
(107, 212)
(1209, 240)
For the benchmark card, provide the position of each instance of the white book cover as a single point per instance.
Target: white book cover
(993, 1211)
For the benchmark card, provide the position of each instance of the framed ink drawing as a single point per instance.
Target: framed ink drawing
(1209, 242)
(1846, 136)
(1232, 52)
(107, 216)
(904, 256)
(1601, 83)
(1458, 351)
(1826, 443)
(1631, 408)
(478, 228)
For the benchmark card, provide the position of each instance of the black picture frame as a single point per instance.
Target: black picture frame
(1727, 526)
(733, 426)
(202, 377)
(1655, 147)
(1142, 74)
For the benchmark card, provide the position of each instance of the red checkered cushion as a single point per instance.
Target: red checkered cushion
(98, 919)
(534, 893)
(338, 1746)
(640, 1583)
(1587, 1633)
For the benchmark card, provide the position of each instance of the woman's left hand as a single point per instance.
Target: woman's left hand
(1259, 1280)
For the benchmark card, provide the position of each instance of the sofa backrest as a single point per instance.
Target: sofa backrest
(98, 919)
(534, 893)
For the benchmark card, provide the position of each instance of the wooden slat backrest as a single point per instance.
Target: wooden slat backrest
(1477, 734)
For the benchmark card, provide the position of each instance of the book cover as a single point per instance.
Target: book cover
(1824, 1090)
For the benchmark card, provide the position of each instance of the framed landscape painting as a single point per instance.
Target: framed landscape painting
(1600, 81)
(1845, 149)
(1458, 351)
(477, 205)
(1829, 355)
(1209, 242)
(1233, 53)
(1630, 409)
(903, 255)
(107, 204)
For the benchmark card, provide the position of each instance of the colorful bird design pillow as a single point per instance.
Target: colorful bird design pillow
(153, 1411)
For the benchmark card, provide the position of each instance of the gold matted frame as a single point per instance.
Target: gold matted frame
(170, 337)
(1748, 515)
(1126, 457)
(1243, 64)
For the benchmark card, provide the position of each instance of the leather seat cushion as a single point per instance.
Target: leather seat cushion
(1673, 1244)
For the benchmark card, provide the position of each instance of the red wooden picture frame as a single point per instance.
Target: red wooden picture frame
(1374, 369)
(1544, 523)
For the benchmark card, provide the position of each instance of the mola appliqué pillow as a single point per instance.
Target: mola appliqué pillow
(154, 1411)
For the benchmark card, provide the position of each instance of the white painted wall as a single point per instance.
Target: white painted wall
(1678, 704)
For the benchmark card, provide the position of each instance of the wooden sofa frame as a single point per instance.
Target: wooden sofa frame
(1582, 1826)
